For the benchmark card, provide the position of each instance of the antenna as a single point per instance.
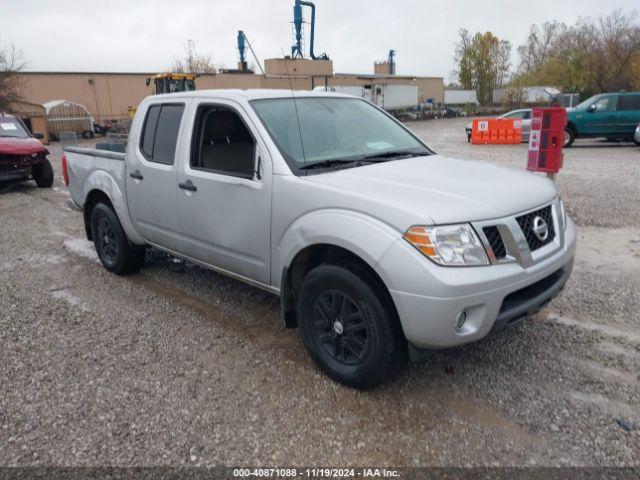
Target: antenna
(295, 106)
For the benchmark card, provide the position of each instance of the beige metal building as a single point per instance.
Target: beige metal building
(108, 96)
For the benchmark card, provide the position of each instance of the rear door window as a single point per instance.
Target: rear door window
(629, 103)
(160, 134)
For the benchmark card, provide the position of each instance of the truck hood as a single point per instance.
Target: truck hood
(21, 146)
(444, 190)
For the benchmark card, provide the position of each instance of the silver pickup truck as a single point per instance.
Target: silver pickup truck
(379, 248)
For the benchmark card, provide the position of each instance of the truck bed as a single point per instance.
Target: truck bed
(83, 163)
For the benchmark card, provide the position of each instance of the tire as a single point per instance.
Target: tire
(569, 137)
(348, 328)
(114, 250)
(43, 174)
(636, 141)
(87, 134)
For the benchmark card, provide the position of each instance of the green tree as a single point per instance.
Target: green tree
(591, 56)
(482, 63)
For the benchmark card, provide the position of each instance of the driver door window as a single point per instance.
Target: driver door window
(223, 143)
(606, 104)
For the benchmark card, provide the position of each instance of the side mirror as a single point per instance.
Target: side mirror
(592, 108)
(38, 135)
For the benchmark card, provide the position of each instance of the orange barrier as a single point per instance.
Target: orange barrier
(496, 131)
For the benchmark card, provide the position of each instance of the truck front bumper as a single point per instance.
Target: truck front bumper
(431, 299)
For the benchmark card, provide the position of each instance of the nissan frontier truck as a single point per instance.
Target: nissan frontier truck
(379, 249)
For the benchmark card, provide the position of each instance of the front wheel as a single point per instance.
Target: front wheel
(43, 174)
(569, 137)
(114, 250)
(348, 328)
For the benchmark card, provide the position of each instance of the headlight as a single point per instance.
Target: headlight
(450, 245)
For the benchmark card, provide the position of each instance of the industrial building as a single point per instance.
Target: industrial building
(112, 96)
(109, 96)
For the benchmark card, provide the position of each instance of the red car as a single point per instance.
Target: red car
(22, 155)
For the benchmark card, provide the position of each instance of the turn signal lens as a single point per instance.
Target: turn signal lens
(449, 245)
(419, 238)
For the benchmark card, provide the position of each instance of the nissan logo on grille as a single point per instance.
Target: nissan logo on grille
(540, 228)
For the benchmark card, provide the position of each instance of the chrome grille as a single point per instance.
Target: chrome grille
(526, 224)
(495, 241)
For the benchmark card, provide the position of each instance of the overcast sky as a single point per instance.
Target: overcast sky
(145, 35)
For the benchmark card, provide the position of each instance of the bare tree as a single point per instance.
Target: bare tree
(10, 64)
(193, 62)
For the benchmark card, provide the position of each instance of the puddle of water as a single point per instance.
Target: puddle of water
(81, 247)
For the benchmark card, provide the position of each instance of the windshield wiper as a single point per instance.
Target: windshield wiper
(383, 157)
(358, 161)
(329, 164)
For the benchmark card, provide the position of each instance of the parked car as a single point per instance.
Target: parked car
(523, 114)
(22, 155)
(609, 115)
(377, 246)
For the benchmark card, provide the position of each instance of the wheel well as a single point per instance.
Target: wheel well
(314, 256)
(572, 126)
(94, 198)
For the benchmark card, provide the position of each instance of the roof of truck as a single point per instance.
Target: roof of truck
(251, 94)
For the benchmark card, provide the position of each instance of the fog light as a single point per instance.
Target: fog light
(462, 318)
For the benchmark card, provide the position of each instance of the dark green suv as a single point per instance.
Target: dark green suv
(610, 115)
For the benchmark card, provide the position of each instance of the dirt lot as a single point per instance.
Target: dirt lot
(181, 366)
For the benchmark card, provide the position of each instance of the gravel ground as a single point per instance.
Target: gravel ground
(181, 366)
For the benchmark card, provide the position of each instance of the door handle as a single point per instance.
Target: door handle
(189, 186)
(136, 175)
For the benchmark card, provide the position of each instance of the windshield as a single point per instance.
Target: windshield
(10, 127)
(333, 131)
(587, 103)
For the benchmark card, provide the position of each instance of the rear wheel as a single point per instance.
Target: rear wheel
(569, 137)
(114, 250)
(348, 328)
(43, 174)
(87, 134)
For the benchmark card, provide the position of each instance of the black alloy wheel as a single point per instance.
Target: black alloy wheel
(349, 326)
(106, 241)
(115, 251)
(340, 327)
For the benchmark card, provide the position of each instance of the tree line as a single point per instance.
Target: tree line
(588, 57)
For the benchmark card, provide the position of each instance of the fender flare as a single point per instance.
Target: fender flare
(102, 181)
(363, 235)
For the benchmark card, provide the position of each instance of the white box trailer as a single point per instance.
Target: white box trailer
(460, 97)
(396, 97)
(387, 97)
